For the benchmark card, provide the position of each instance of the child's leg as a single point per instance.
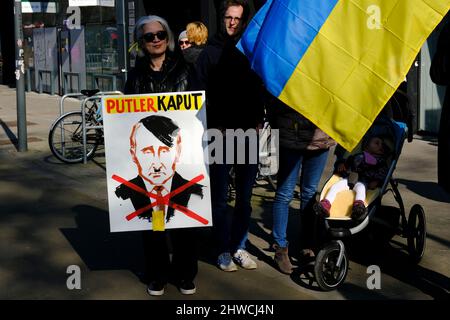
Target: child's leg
(341, 185)
(359, 210)
(324, 206)
(360, 189)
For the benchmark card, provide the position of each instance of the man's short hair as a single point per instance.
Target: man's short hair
(162, 128)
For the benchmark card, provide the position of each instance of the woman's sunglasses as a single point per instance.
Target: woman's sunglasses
(185, 42)
(149, 37)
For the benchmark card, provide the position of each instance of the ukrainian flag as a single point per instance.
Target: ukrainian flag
(338, 62)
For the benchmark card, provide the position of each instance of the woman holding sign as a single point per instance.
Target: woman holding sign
(157, 70)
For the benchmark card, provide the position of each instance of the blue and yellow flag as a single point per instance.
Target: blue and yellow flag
(338, 62)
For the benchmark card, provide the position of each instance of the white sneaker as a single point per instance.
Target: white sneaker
(243, 259)
(226, 263)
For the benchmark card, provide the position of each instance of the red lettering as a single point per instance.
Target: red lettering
(129, 104)
(142, 105)
(110, 104)
(150, 103)
(120, 107)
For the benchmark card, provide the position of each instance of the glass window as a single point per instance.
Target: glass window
(98, 15)
(101, 55)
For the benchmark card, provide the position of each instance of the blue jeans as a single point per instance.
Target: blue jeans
(311, 164)
(231, 230)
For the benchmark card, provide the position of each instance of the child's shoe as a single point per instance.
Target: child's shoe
(323, 208)
(359, 211)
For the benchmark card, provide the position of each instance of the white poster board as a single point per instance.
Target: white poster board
(156, 173)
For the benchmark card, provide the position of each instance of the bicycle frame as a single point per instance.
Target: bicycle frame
(85, 127)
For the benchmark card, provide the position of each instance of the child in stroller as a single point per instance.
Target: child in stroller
(359, 172)
(343, 220)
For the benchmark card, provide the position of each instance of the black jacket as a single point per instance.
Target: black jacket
(192, 53)
(173, 76)
(233, 90)
(440, 66)
(295, 131)
(440, 74)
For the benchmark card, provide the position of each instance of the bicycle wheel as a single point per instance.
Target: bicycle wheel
(66, 138)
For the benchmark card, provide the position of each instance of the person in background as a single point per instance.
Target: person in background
(197, 35)
(303, 147)
(183, 40)
(234, 101)
(440, 74)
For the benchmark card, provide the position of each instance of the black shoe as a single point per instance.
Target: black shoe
(359, 211)
(187, 287)
(155, 288)
(322, 208)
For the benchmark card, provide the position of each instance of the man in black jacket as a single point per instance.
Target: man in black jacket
(440, 74)
(233, 101)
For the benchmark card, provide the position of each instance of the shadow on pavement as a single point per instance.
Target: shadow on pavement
(259, 227)
(11, 136)
(429, 190)
(51, 159)
(101, 250)
(304, 277)
(394, 260)
(390, 256)
(444, 242)
(260, 255)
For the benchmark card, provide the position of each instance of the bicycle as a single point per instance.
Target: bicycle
(66, 133)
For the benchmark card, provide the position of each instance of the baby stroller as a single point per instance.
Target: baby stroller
(331, 263)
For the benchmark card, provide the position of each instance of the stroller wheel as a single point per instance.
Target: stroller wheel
(417, 233)
(328, 275)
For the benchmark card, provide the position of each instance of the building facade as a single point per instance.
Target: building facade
(76, 44)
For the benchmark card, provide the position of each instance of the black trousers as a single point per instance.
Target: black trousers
(182, 243)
